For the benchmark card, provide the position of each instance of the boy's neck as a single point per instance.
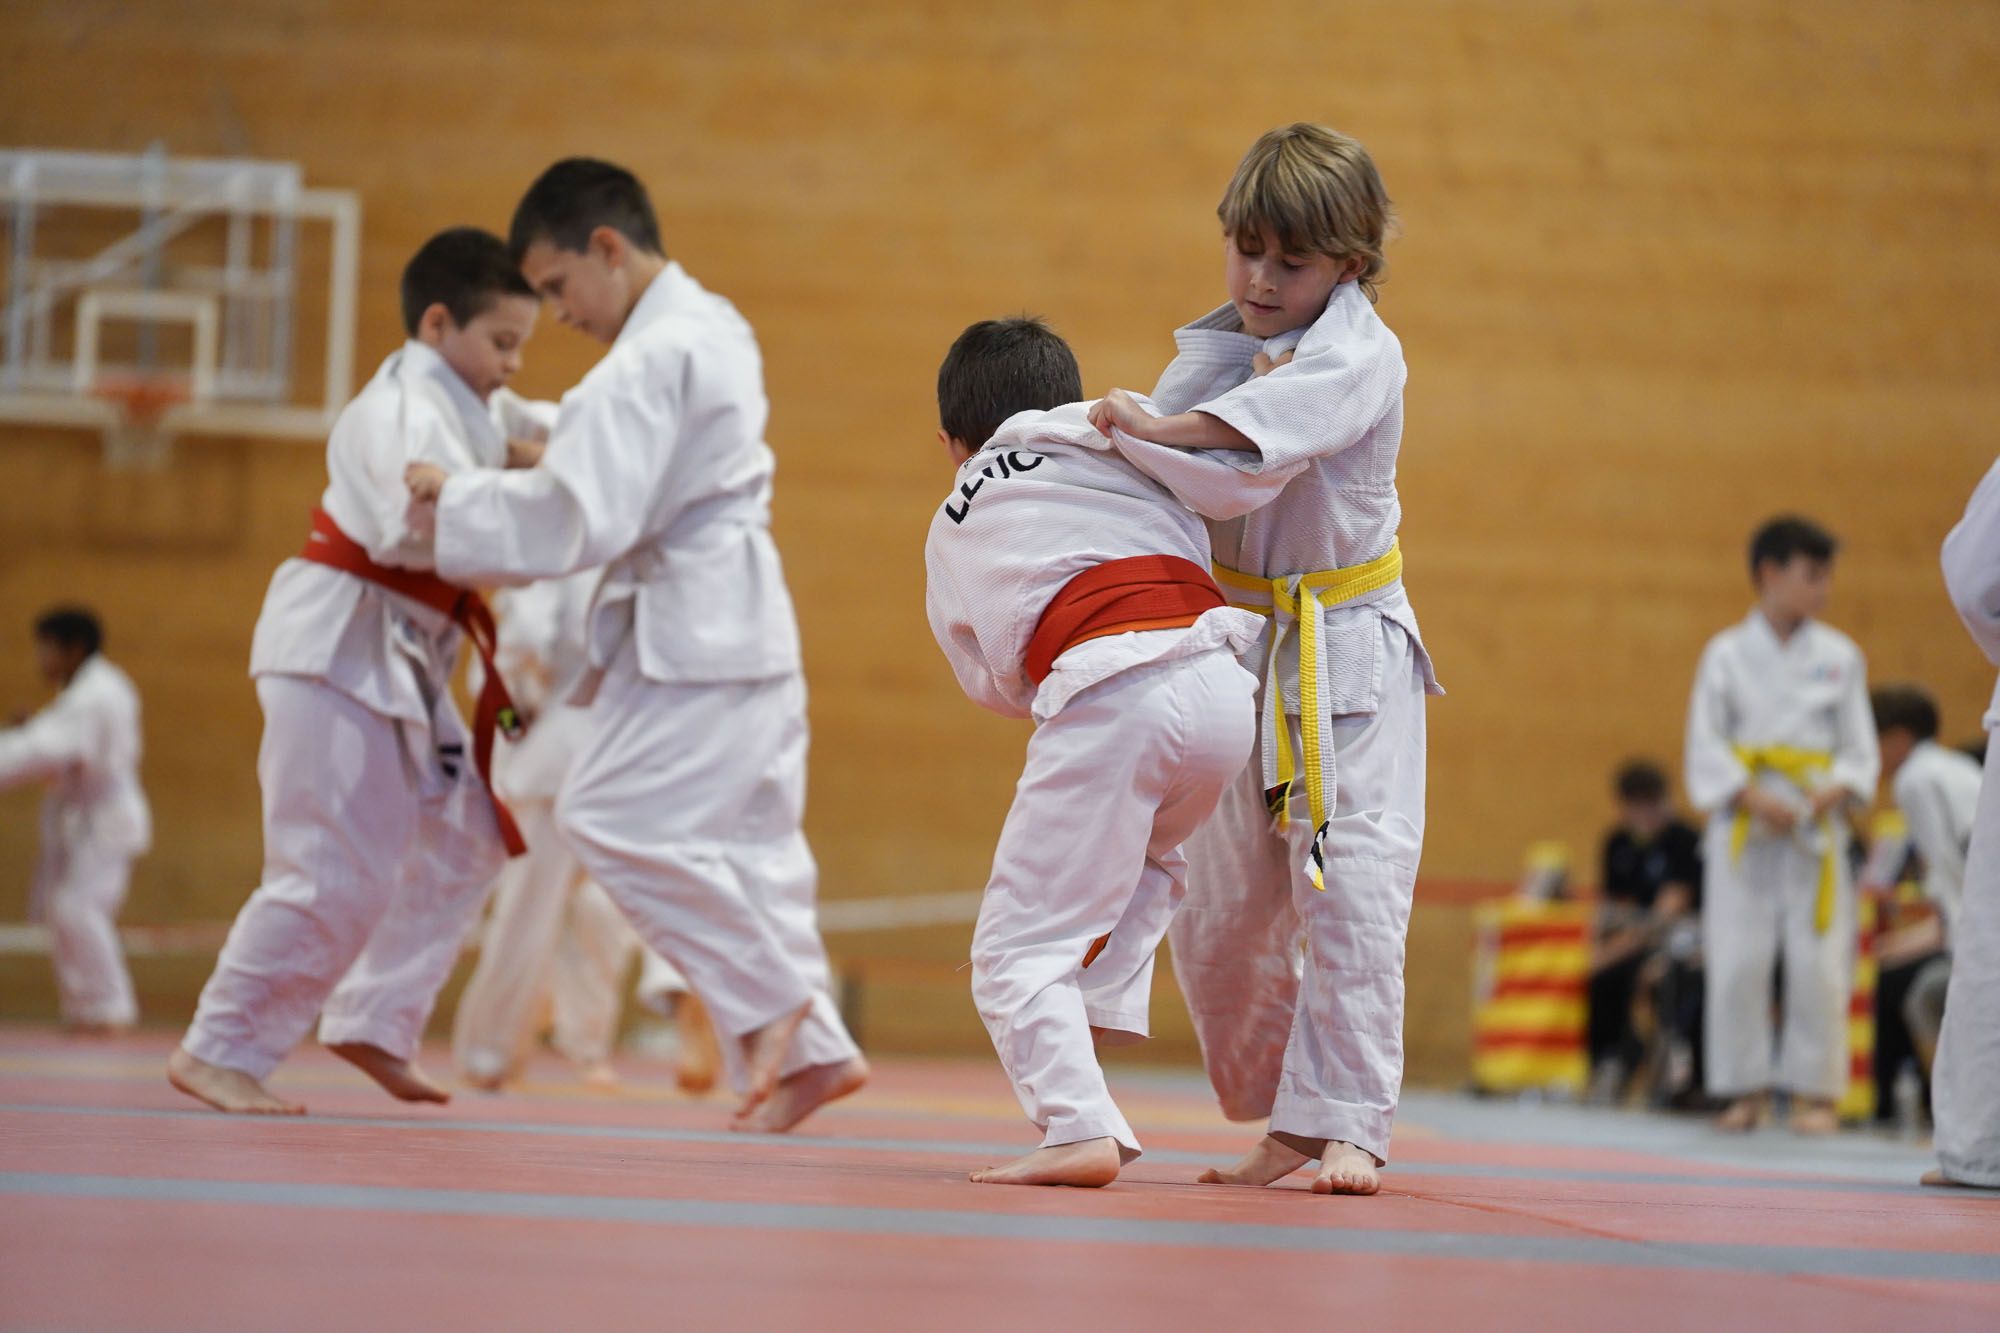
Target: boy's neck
(1784, 624)
(643, 268)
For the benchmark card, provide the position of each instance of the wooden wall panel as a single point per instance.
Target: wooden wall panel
(1665, 269)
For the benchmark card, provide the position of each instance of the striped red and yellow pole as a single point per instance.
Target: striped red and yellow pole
(1532, 996)
(1858, 1103)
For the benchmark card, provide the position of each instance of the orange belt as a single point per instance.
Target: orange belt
(1117, 597)
(328, 545)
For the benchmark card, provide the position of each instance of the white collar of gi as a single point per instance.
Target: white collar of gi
(669, 290)
(1339, 310)
(1768, 635)
(423, 361)
(91, 667)
(1068, 424)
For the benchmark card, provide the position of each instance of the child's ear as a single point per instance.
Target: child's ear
(955, 451)
(609, 245)
(1350, 271)
(434, 323)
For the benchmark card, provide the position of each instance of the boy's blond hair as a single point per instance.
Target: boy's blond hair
(1317, 191)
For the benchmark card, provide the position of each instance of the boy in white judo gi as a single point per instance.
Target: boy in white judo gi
(381, 834)
(1965, 1083)
(555, 943)
(1066, 586)
(95, 821)
(1935, 787)
(1936, 790)
(687, 802)
(1290, 947)
(1780, 752)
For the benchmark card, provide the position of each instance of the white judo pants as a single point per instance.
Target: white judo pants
(1113, 785)
(1297, 994)
(79, 887)
(1965, 1087)
(1755, 910)
(686, 805)
(377, 855)
(553, 937)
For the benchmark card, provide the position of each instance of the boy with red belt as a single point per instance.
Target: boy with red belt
(1066, 586)
(381, 834)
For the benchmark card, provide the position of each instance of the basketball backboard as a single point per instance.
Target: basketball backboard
(216, 296)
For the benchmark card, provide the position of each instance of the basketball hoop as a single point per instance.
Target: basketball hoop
(137, 436)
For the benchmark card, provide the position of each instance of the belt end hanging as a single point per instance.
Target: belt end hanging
(1316, 859)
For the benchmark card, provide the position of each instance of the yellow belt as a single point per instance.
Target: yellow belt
(1298, 599)
(1798, 767)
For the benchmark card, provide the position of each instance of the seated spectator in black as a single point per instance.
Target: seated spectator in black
(1645, 983)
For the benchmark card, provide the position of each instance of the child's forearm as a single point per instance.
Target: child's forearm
(1195, 430)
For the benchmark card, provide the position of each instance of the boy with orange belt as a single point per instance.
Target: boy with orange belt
(381, 834)
(1065, 586)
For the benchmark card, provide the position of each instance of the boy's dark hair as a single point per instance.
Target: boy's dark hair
(999, 367)
(462, 269)
(71, 627)
(1909, 707)
(1640, 780)
(1787, 536)
(575, 197)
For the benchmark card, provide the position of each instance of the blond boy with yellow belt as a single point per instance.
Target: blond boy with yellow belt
(1283, 420)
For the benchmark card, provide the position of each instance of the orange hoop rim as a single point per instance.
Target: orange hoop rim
(142, 399)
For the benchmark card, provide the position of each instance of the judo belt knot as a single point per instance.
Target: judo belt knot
(1296, 602)
(1802, 768)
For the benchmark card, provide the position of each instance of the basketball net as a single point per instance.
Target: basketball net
(137, 437)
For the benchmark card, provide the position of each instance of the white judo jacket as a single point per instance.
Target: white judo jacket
(1041, 503)
(656, 468)
(1319, 490)
(1809, 692)
(1938, 792)
(1971, 562)
(86, 746)
(390, 654)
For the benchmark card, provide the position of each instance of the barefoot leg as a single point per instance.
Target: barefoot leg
(1815, 1116)
(1937, 1179)
(1744, 1114)
(401, 1079)
(764, 1054)
(229, 1090)
(1346, 1169)
(1087, 1164)
(799, 1095)
(1269, 1161)
(699, 1059)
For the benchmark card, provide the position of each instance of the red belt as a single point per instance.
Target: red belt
(328, 545)
(1116, 597)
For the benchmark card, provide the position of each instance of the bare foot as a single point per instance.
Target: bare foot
(763, 1055)
(800, 1094)
(1936, 1178)
(1088, 1165)
(1814, 1116)
(699, 1058)
(97, 1030)
(1346, 1169)
(1744, 1114)
(399, 1078)
(484, 1070)
(1270, 1160)
(229, 1090)
(599, 1074)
